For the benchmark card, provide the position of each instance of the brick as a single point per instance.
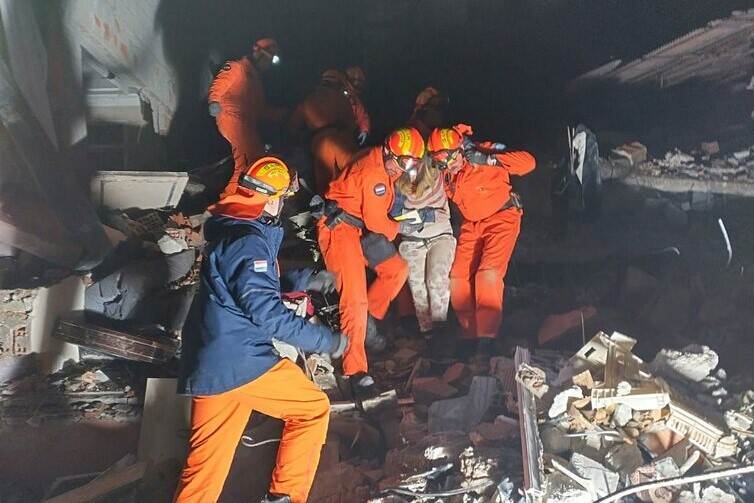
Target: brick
(431, 389)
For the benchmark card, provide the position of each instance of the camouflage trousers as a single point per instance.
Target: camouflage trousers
(429, 264)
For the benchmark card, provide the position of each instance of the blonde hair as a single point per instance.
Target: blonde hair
(426, 177)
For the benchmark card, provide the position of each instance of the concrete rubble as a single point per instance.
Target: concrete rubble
(601, 423)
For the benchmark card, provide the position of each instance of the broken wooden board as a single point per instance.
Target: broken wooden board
(116, 343)
(103, 485)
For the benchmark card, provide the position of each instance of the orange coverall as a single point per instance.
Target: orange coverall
(238, 90)
(364, 190)
(486, 242)
(360, 114)
(329, 117)
(282, 392)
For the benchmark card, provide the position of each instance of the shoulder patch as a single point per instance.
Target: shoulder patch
(380, 189)
(260, 266)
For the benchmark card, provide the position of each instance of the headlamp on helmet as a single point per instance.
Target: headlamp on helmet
(270, 177)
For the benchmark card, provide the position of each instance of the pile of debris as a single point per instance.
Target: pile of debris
(705, 164)
(605, 420)
(85, 390)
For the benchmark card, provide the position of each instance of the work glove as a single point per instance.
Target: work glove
(214, 109)
(323, 282)
(407, 227)
(339, 345)
(362, 138)
(427, 214)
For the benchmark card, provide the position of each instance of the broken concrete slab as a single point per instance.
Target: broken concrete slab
(561, 401)
(634, 152)
(138, 189)
(604, 480)
(624, 459)
(165, 423)
(462, 414)
(693, 362)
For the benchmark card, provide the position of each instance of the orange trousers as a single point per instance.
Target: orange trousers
(245, 144)
(332, 148)
(218, 421)
(341, 249)
(476, 277)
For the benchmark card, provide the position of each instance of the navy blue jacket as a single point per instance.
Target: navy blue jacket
(227, 339)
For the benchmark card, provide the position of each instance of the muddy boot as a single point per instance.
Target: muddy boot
(484, 350)
(374, 342)
(465, 349)
(439, 343)
(276, 498)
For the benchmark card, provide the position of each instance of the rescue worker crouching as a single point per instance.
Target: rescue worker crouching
(477, 180)
(356, 230)
(236, 100)
(228, 362)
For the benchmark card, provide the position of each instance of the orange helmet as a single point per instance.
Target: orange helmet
(267, 178)
(445, 145)
(268, 46)
(444, 139)
(406, 145)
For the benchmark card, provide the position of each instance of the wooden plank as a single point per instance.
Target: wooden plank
(102, 486)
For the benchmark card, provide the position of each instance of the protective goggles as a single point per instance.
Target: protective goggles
(442, 159)
(406, 162)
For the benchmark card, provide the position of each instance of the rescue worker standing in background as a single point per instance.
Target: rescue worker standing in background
(328, 117)
(228, 363)
(356, 215)
(236, 100)
(477, 179)
(429, 111)
(355, 82)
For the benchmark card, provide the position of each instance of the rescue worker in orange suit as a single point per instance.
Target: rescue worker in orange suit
(356, 231)
(477, 178)
(236, 100)
(326, 114)
(429, 110)
(228, 362)
(356, 80)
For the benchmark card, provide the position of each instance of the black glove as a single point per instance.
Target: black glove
(408, 227)
(339, 345)
(214, 109)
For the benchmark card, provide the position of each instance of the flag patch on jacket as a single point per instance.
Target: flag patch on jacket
(260, 266)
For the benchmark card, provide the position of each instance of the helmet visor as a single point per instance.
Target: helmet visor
(407, 162)
(442, 159)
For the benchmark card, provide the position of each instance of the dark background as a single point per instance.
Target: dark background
(504, 63)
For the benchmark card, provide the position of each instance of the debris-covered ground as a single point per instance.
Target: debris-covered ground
(670, 398)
